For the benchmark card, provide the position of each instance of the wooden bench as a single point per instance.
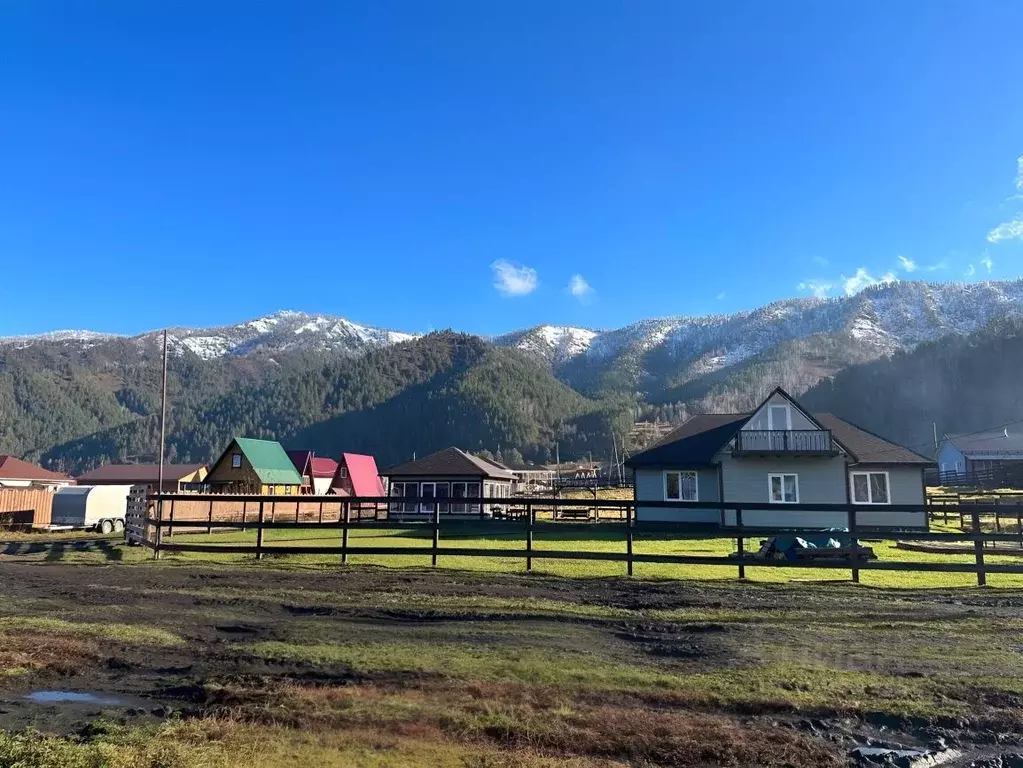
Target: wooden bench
(574, 513)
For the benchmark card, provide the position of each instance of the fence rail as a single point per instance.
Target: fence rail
(811, 441)
(161, 524)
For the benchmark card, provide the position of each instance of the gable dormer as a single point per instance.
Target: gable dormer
(780, 426)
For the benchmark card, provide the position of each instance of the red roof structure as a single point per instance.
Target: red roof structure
(12, 468)
(357, 475)
(322, 467)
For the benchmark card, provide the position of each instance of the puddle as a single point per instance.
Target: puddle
(903, 758)
(74, 697)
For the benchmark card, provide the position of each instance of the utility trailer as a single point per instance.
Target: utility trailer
(90, 507)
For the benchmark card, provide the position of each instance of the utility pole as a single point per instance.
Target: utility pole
(934, 426)
(163, 415)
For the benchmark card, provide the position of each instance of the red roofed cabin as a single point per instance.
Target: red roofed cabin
(15, 473)
(357, 475)
(317, 473)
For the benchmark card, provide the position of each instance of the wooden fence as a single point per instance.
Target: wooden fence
(338, 516)
(25, 507)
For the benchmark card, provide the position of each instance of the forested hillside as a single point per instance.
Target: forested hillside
(962, 383)
(442, 389)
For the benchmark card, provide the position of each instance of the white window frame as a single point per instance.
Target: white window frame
(870, 492)
(680, 472)
(782, 475)
(788, 417)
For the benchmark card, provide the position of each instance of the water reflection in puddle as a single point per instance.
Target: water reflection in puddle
(74, 697)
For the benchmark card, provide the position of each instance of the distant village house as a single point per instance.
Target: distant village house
(254, 467)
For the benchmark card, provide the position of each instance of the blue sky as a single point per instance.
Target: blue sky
(493, 165)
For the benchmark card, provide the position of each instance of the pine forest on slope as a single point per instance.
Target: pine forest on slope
(77, 399)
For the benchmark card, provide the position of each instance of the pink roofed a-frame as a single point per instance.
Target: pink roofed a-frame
(357, 475)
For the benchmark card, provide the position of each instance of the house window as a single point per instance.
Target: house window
(344, 472)
(870, 488)
(779, 417)
(465, 491)
(404, 490)
(783, 489)
(680, 486)
(236, 461)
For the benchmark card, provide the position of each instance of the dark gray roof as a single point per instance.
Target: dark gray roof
(138, 473)
(695, 442)
(1000, 442)
(866, 447)
(450, 462)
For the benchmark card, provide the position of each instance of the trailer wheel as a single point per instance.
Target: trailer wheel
(106, 526)
(119, 526)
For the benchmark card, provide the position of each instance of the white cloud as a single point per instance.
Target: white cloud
(720, 296)
(1019, 172)
(1010, 230)
(941, 265)
(579, 288)
(907, 264)
(819, 288)
(513, 279)
(971, 271)
(986, 261)
(863, 279)
(820, 260)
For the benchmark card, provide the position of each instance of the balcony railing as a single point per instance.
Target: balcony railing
(791, 441)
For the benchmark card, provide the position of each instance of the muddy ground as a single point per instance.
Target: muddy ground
(803, 672)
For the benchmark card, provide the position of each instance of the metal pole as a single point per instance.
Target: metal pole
(209, 524)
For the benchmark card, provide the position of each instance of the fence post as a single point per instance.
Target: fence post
(436, 532)
(978, 548)
(629, 536)
(244, 506)
(209, 522)
(273, 511)
(158, 530)
(298, 510)
(170, 528)
(259, 533)
(321, 511)
(741, 543)
(529, 537)
(347, 512)
(855, 544)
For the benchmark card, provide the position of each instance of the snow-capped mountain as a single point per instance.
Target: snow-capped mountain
(878, 321)
(281, 331)
(552, 344)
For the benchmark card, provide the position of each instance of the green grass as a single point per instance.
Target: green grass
(475, 662)
(580, 538)
(133, 634)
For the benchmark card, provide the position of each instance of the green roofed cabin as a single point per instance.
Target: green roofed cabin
(254, 466)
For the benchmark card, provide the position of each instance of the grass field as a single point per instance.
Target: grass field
(576, 537)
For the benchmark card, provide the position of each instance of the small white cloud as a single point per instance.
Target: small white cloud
(971, 271)
(720, 296)
(1019, 172)
(579, 288)
(513, 279)
(863, 279)
(986, 261)
(939, 267)
(820, 260)
(1010, 230)
(819, 288)
(907, 264)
